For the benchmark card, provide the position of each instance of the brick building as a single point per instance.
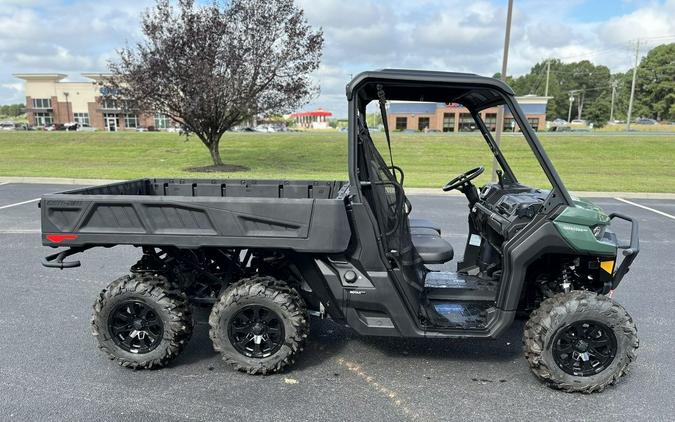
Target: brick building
(50, 100)
(404, 115)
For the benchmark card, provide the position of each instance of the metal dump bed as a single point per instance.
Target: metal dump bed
(307, 216)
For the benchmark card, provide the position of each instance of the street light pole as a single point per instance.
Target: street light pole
(611, 108)
(632, 86)
(548, 72)
(500, 109)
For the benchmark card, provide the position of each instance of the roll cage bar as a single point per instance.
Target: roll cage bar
(474, 92)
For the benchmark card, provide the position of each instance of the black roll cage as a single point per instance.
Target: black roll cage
(475, 92)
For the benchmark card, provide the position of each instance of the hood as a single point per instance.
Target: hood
(583, 212)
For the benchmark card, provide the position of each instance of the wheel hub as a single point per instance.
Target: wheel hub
(256, 331)
(581, 346)
(135, 327)
(584, 348)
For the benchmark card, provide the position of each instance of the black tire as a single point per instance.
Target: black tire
(564, 310)
(267, 293)
(169, 307)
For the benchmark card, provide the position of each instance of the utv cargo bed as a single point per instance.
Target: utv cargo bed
(307, 216)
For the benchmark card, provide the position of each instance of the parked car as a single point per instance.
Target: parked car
(86, 128)
(71, 126)
(141, 129)
(7, 126)
(265, 128)
(646, 121)
(54, 126)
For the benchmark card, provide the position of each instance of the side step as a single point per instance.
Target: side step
(449, 286)
(465, 315)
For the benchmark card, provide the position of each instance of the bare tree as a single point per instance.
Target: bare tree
(210, 68)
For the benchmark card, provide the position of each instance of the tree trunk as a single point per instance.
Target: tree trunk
(215, 152)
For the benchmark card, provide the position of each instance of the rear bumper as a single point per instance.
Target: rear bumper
(630, 250)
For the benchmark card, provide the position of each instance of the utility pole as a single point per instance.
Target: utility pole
(569, 113)
(500, 109)
(615, 83)
(632, 85)
(548, 72)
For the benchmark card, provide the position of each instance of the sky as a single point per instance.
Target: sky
(76, 36)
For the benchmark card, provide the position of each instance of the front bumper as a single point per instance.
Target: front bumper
(630, 250)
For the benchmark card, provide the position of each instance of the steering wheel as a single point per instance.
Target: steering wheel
(463, 179)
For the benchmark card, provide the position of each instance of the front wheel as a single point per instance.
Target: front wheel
(580, 342)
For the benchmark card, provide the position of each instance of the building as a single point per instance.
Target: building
(316, 119)
(50, 100)
(452, 117)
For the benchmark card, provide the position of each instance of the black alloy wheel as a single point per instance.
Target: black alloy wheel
(580, 341)
(259, 325)
(256, 331)
(584, 348)
(135, 327)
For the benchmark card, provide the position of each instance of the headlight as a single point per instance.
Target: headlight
(599, 231)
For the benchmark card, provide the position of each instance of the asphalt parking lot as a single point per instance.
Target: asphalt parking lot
(50, 368)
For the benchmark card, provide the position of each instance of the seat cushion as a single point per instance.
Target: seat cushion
(432, 248)
(423, 230)
(422, 223)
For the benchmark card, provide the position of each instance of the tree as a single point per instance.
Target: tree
(210, 68)
(655, 88)
(588, 83)
(12, 110)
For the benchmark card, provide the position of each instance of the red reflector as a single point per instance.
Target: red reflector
(58, 238)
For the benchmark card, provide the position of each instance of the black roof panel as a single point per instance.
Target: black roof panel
(473, 91)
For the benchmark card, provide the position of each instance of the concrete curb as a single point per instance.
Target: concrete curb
(409, 191)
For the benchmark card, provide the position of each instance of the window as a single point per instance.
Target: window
(401, 123)
(534, 122)
(423, 123)
(42, 103)
(521, 157)
(466, 122)
(491, 121)
(509, 124)
(82, 118)
(109, 104)
(130, 120)
(43, 119)
(161, 121)
(448, 122)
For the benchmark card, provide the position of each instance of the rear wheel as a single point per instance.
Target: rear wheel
(580, 341)
(141, 322)
(259, 325)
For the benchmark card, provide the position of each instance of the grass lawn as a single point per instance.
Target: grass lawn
(590, 162)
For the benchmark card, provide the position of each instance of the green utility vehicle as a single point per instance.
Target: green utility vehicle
(266, 255)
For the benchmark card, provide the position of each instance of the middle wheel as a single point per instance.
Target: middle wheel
(258, 325)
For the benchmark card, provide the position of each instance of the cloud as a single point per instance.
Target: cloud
(74, 36)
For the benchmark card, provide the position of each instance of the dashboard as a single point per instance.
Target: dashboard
(506, 209)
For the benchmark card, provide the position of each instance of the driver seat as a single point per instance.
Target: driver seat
(430, 246)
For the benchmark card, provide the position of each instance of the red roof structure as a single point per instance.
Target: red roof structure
(319, 112)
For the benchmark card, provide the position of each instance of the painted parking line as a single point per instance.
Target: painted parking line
(4, 183)
(647, 208)
(19, 203)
